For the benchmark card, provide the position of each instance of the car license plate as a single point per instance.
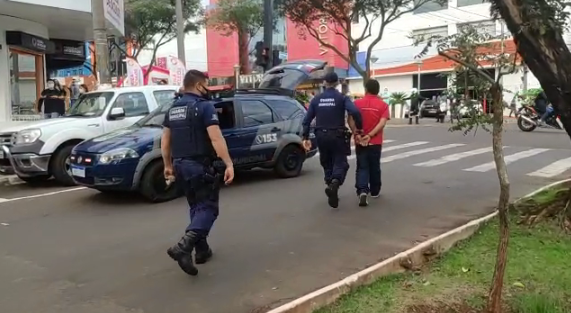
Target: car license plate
(78, 171)
(431, 111)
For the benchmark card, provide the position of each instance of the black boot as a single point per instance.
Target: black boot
(332, 193)
(203, 253)
(416, 120)
(410, 121)
(182, 252)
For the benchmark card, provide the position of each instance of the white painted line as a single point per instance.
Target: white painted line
(3, 200)
(398, 147)
(418, 152)
(453, 157)
(508, 159)
(555, 168)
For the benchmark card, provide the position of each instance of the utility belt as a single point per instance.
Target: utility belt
(205, 186)
(341, 133)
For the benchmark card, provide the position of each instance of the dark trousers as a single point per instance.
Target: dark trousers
(368, 174)
(204, 212)
(332, 155)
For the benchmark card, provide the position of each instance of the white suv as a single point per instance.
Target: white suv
(41, 149)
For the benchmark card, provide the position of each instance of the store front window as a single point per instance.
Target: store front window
(26, 81)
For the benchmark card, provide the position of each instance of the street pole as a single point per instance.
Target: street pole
(100, 39)
(269, 29)
(236, 76)
(524, 78)
(180, 32)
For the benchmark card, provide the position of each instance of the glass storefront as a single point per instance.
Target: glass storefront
(26, 81)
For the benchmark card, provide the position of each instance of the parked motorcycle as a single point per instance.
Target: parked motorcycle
(528, 119)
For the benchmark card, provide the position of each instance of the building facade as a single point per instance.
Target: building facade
(223, 55)
(393, 60)
(38, 37)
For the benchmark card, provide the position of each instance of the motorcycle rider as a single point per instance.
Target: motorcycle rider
(542, 105)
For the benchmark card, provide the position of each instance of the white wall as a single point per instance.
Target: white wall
(74, 5)
(8, 23)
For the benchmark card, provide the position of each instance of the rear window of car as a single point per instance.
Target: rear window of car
(287, 109)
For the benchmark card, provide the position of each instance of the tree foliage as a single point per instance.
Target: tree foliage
(376, 15)
(537, 27)
(150, 24)
(237, 16)
(472, 52)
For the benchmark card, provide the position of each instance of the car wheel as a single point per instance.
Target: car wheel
(60, 166)
(290, 161)
(153, 185)
(35, 179)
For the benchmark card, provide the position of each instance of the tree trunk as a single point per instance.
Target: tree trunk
(543, 50)
(243, 52)
(494, 304)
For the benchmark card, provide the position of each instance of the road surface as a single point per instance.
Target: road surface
(68, 250)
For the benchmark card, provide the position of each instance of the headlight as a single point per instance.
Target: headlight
(27, 136)
(117, 155)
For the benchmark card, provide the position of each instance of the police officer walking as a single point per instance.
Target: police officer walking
(333, 137)
(190, 142)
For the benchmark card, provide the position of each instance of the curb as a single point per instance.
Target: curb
(416, 255)
(10, 180)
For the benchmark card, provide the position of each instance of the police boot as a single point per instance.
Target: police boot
(416, 120)
(410, 121)
(182, 252)
(332, 191)
(203, 253)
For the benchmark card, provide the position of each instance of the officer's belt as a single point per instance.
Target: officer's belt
(200, 159)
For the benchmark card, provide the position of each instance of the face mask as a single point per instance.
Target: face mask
(51, 85)
(205, 92)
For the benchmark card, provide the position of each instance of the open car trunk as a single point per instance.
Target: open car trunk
(288, 76)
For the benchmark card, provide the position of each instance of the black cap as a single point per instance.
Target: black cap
(331, 78)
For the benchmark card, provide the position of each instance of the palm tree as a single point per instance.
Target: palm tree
(396, 99)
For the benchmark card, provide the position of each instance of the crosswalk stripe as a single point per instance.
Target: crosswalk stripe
(453, 157)
(417, 152)
(353, 147)
(508, 159)
(553, 169)
(397, 147)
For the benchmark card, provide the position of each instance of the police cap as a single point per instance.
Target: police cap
(331, 78)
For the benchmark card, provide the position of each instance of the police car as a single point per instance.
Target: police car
(262, 128)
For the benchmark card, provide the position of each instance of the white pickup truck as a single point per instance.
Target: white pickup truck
(38, 150)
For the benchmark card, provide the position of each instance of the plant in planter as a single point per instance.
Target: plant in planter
(396, 99)
(302, 98)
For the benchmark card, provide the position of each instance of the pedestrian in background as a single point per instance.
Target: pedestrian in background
(333, 137)
(52, 100)
(190, 142)
(74, 92)
(375, 114)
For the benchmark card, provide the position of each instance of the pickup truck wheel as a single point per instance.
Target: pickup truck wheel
(60, 166)
(153, 185)
(290, 162)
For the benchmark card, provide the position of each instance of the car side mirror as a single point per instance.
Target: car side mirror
(116, 113)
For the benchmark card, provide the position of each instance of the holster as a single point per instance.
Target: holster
(347, 135)
(206, 186)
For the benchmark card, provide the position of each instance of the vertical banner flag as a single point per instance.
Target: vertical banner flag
(134, 73)
(162, 63)
(176, 71)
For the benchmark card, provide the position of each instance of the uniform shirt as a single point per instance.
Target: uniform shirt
(328, 110)
(373, 109)
(51, 104)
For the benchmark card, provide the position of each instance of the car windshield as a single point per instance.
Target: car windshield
(90, 104)
(155, 118)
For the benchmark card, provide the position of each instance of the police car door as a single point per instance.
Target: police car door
(260, 131)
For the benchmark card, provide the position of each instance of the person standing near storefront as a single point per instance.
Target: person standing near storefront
(52, 100)
(375, 113)
(74, 92)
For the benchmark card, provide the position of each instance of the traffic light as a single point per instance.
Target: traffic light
(276, 58)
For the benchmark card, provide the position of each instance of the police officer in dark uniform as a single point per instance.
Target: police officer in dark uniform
(333, 137)
(190, 142)
(415, 105)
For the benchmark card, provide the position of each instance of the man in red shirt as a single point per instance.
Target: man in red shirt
(375, 114)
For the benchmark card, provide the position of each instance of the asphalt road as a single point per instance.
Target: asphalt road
(79, 251)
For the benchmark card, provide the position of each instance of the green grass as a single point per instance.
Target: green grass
(538, 276)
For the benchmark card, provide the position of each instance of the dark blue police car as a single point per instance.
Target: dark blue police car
(262, 128)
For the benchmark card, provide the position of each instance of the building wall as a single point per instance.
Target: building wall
(8, 23)
(75, 5)
(222, 51)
